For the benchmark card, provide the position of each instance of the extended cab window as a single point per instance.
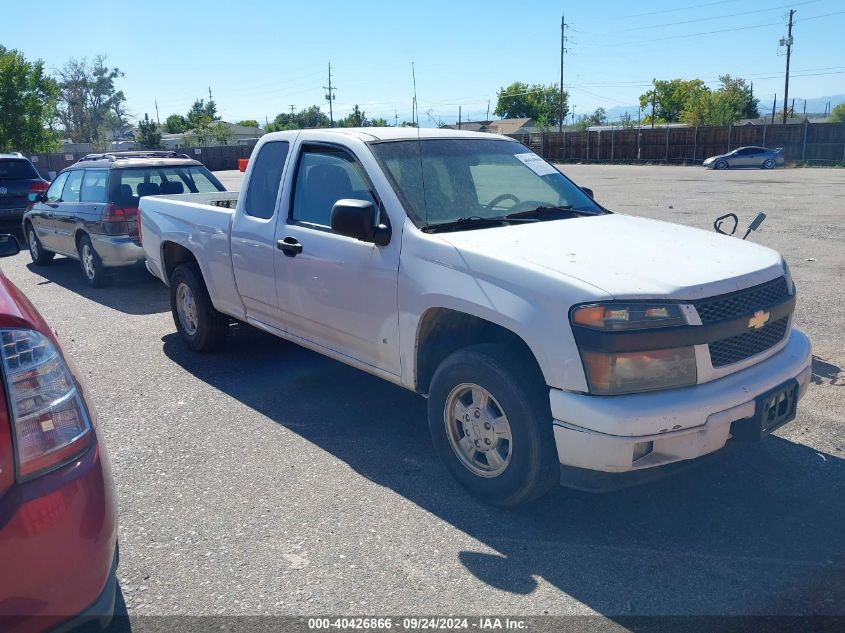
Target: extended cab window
(266, 177)
(54, 193)
(324, 176)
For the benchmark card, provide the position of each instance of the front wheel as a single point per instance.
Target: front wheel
(721, 164)
(489, 417)
(199, 324)
(769, 164)
(37, 252)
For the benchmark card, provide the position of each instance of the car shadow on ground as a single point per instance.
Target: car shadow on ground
(131, 290)
(827, 373)
(753, 531)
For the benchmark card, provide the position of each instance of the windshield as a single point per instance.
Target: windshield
(132, 183)
(443, 180)
(17, 169)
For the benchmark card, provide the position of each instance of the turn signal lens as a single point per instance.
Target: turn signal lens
(631, 372)
(49, 419)
(627, 316)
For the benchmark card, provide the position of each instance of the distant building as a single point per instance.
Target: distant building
(240, 136)
(502, 126)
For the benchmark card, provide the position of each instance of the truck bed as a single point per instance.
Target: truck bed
(202, 222)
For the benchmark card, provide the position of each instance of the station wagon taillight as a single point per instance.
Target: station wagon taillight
(49, 420)
(119, 220)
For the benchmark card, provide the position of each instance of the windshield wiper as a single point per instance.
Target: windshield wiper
(542, 209)
(473, 220)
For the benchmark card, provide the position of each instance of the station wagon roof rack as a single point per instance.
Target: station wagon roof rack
(113, 156)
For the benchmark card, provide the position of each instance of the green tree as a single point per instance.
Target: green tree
(378, 122)
(733, 100)
(837, 115)
(534, 101)
(88, 99)
(27, 101)
(356, 118)
(625, 121)
(175, 124)
(221, 133)
(201, 110)
(248, 123)
(148, 135)
(310, 117)
(669, 99)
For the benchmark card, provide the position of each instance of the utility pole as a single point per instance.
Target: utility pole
(788, 43)
(158, 121)
(459, 117)
(292, 109)
(395, 117)
(415, 113)
(653, 104)
(774, 107)
(562, 49)
(488, 111)
(330, 96)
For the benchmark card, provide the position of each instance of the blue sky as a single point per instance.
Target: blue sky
(261, 56)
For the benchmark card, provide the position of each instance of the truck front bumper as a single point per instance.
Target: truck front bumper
(118, 250)
(620, 434)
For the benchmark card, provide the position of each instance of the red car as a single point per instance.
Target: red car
(58, 519)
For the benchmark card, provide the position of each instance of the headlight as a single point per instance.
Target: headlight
(617, 372)
(628, 316)
(790, 285)
(630, 372)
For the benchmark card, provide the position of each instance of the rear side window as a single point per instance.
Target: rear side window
(265, 180)
(17, 169)
(94, 185)
(73, 187)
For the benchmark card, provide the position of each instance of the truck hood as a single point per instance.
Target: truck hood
(626, 256)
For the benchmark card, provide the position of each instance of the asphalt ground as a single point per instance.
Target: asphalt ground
(267, 479)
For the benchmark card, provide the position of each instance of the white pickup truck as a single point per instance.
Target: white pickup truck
(554, 340)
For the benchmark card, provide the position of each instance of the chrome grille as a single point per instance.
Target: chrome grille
(744, 302)
(746, 345)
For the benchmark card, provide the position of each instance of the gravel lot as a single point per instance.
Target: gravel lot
(268, 479)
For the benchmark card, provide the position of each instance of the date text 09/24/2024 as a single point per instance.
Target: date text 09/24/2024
(417, 623)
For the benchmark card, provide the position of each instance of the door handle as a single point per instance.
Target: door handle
(290, 246)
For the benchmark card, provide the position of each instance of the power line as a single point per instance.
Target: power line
(676, 9)
(718, 17)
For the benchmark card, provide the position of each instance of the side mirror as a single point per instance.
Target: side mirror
(588, 191)
(755, 223)
(36, 196)
(9, 246)
(358, 219)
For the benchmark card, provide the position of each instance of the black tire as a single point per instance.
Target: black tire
(518, 388)
(93, 271)
(210, 327)
(769, 164)
(40, 256)
(721, 164)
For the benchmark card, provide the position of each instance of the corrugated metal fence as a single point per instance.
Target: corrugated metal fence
(816, 143)
(215, 158)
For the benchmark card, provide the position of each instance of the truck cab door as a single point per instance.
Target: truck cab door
(336, 291)
(253, 241)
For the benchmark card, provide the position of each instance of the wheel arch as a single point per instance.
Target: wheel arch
(173, 255)
(443, 331)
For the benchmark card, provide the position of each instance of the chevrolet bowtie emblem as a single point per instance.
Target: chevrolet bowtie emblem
(760, 318)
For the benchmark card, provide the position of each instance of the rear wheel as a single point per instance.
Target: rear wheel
(200, 325)
(93, 270)
(39, 254)
(721, 164)
(769, 164)
(489, 417)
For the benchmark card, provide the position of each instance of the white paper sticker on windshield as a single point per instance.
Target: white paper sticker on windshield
(536, 164)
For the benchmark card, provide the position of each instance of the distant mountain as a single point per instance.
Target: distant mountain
(614, 114)
(816, 105)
